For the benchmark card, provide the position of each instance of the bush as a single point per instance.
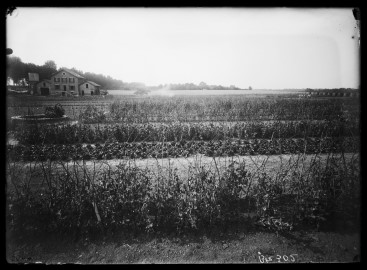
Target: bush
(54, 112)
(92, 114)
(320, 197)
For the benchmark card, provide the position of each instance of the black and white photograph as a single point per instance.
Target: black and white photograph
(182, 135)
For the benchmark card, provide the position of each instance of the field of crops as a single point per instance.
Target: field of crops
(134, 197)
(187, 109)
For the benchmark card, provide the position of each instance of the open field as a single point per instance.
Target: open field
(188, 164)
(244, 92)
(186, 108)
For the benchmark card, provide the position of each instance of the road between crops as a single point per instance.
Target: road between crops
(272, 165)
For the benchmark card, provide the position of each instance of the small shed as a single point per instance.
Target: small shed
(89, 88)
(44, 87)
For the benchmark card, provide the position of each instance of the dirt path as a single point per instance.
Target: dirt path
(272, 165)
(240, 247)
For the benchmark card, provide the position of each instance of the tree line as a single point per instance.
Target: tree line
(18, 72)
(201, 86)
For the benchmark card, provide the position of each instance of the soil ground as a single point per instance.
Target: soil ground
(244, 246)
(272, 165)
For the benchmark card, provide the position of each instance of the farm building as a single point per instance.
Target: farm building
(89, 88)
(43, 87)
(66, 82)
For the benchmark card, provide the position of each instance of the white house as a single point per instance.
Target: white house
(89, 88)
(66, 82)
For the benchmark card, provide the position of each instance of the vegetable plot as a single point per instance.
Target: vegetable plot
(182, 149)
(153, 132)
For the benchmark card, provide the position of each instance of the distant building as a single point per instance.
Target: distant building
(66, 82)
(89, 88)
(43, 87)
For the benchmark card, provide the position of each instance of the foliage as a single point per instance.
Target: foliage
(127, 198)
(115, 150)
(93, 114)
(177, 131)
(124, 110)
(134, 199)
(201, 86)
(17, 70)
(187, 109)
(54, 112)
(311, 198)
(73, 198)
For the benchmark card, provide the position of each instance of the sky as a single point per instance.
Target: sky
(265, 48)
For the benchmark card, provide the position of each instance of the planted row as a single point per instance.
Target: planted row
(71, 134)
(182, 149)
(128, 198)
(233, 108)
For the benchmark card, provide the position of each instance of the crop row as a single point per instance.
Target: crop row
(182, 149)
(71, 134)
(219, 109)
(160, 109)
(82, 200)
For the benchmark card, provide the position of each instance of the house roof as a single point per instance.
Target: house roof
(69, 71)
(44, 80)
(90, 82)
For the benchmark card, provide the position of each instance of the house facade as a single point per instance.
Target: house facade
(66, 82)
(89, 88)
(43, 87)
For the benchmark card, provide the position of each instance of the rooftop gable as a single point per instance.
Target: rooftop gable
(90, 82)
(45, 80)
(70, 72)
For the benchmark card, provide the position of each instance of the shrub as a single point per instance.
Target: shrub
(54, 112)
(92, 114)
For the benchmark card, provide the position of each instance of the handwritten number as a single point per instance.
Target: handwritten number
(261, 258)
(292, 257)
(269, 259)
(279, 258)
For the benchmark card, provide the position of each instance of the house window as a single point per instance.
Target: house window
(71, 87)
(64, 80)
(71, 80)
(86, 85)
(63, 73)
(57, 87)
(44, 84)
(56, 79)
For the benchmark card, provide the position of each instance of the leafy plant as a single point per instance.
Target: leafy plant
(54, 112)
(93, 114)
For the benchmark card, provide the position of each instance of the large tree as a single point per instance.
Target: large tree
(16, 69)
(50, 64)
(203, 85)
